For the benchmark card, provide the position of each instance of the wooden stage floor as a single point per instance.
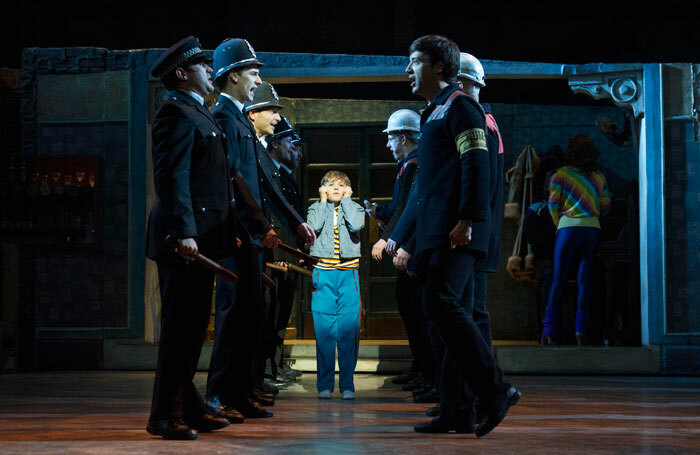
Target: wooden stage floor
(106, 412)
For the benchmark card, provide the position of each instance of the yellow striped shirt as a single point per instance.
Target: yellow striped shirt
(335, 263)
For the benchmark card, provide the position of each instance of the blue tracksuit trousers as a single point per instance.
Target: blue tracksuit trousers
(336, 310)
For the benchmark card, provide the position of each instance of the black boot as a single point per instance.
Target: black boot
(490, 414)
(173, 428)
(443, 425)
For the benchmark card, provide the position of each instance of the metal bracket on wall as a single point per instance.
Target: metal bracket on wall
(624, 88)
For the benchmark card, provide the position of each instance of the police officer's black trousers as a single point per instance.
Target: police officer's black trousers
(186, 291)
(263, 329)
(435, 343)
(285, 287)
(409, 300)
(236, 329)
(447, 274)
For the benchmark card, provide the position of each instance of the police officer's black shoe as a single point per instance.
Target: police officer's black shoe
(416, 383)
(263, 399)
(442, 425)
(221, 410)
(268, 387)
(207, 423)
(433, 411)
(289, 371)
(231, 414)
(492, 413)
(430, 396)
(406, 376)
(173, 428)
(422, 390)
(253, 410)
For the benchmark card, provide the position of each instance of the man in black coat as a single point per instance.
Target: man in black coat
(455, 398)
(263, 113)
(239, 316)
(472, 79)
(195, 206)
(452, 195)
(285, 153)
(403, 131)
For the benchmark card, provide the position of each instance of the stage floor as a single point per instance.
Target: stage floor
(106, 412)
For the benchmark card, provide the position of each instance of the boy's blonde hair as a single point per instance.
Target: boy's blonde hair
(332, 176)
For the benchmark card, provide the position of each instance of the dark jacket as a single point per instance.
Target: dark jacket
(489, 263)
(450, 185)
(386, 211)
(244, 155)
(402, 187)
(195, 194)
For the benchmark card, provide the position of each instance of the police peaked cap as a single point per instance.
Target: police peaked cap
(282, 129)
(234, 53)
(265, 97)
(179, 54)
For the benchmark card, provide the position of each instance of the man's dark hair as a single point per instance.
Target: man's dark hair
(582, 154)
(439, 49)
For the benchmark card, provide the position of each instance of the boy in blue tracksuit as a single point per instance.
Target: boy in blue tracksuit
(335, 303)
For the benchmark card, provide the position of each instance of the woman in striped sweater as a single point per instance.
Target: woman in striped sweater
(578, 196)
(335, 303)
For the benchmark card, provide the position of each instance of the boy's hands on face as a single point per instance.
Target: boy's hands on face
(323, 192)
(347, 192)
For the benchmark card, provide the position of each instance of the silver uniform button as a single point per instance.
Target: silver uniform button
(204, 209)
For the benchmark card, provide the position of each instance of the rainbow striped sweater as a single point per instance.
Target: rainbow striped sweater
(576, 199)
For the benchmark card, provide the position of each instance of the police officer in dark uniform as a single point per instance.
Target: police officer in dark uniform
(285, 152)
(451, 196)
(263, 112)
(195, 207)
(231, 380)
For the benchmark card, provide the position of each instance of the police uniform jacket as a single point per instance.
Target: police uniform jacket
(453, 178)
(195, 194)
(279, 223)
(494, 142)
(242, 147)
(291, 192)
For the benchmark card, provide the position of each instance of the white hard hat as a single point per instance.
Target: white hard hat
(471, 68)
(403, 120)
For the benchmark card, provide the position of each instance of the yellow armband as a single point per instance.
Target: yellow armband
(472, 139)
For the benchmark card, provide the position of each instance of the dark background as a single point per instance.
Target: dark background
(565, 31)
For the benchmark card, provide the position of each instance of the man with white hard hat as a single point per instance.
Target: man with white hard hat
(403, 127)
(472, 79)
(403, 131)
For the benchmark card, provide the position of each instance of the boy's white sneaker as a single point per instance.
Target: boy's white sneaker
(324, 394)
(348, 395)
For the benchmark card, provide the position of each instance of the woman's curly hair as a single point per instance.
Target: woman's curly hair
(582, 154)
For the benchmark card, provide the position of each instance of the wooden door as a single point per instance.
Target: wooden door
(360, 151)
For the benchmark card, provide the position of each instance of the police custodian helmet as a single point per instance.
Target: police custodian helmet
(234, 53)
(283, 129)
(185, 51)
(265, 97)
